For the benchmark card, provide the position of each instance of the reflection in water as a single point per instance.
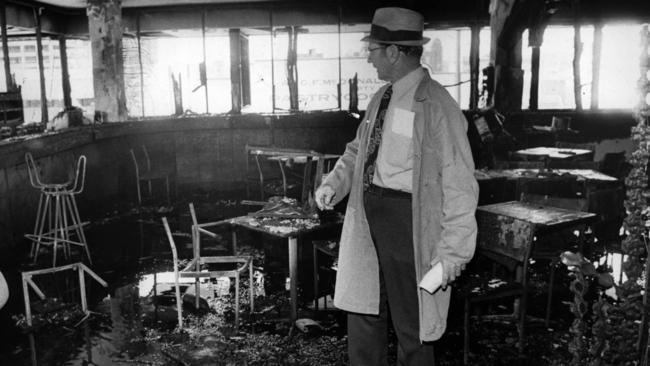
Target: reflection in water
(32, 348)
(126, 314)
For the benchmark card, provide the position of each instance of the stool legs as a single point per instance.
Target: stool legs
(74, 211)
(57, 218)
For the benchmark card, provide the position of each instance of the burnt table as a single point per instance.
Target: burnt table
(290, 229)
(555, 153)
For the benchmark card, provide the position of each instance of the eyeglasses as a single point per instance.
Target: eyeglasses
(375, 49)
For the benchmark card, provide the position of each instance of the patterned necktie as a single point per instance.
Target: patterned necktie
(375, 139)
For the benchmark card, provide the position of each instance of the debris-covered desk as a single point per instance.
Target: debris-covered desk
(507, 234)
(290, 229)
(511, 225)
(498, 185)
(512, 232)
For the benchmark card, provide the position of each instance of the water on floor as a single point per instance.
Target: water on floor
(134, 321)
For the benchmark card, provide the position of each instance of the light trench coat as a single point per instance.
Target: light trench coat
(444, 199)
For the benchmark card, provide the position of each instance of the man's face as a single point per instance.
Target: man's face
(379, 60)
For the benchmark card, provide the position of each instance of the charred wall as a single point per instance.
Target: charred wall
(204, 152)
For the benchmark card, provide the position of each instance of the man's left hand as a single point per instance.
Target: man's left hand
(450, 272)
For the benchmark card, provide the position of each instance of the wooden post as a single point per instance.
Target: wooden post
(292, 66)
(5, 46)
(41, 71)
(205, 62)
(595, 69)
(105, 28)
(235, 70)
(137, 23)
(65, 73)
(577, 53)
(534, 79)
(505, 55)
(474, 66)
(339, 94)
(272, 64)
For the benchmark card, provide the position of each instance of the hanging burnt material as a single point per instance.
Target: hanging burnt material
(292, 67)
(354, 94)
(177, 86)
(577, 53)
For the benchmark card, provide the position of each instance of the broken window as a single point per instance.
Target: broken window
(618, 74)
(26, 76)
(318, 67)
(354, 61)
(53, 81)
(619, 68)
(175, 74)
(132, 80)
(261, 73)
(80, 69)
(556, 90)
(446, 56)
(281, 38)
(217, 53)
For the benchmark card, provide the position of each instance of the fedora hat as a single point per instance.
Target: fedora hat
(397, 26)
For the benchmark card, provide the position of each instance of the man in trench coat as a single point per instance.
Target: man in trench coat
(410, 176)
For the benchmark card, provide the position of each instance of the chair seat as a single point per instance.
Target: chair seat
(481, 288)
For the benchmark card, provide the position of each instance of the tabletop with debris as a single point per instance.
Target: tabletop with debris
(283, 217)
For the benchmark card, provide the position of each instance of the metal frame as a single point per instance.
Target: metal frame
(79, 267)
(57, 215)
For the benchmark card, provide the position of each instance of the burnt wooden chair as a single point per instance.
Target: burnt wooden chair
(512, 255)
(322, 248)
(551, 245)
(506, 236)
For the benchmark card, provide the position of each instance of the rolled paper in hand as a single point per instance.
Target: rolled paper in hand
(432, 279)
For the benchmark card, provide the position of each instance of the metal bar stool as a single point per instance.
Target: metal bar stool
(57, 217)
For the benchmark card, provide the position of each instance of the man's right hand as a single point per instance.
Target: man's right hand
(324, 196)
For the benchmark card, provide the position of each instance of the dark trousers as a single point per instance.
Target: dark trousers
(390, 224)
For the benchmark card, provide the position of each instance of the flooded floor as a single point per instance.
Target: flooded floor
(134, 320)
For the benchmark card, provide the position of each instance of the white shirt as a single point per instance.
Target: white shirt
(394, 167)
